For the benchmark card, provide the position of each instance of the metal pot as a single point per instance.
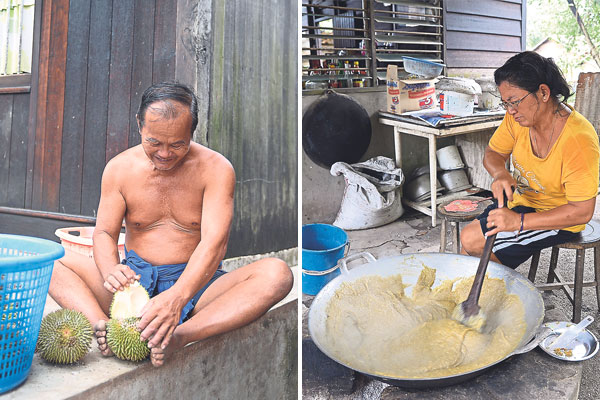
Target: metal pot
(455, 180)
(448, 266)
(419, 188)
(449, 158)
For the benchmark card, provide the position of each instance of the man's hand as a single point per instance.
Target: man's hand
(159, 318)
(119, 277)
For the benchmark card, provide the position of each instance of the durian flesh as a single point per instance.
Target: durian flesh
(65, 336)
(129, 302)
(122, 335)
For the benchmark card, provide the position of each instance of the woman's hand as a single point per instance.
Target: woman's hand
(495, 164)
(503, 183)
(502, 220)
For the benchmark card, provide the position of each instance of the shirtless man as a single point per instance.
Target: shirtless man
(177, 200)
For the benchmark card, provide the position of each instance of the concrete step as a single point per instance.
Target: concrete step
(258, 361)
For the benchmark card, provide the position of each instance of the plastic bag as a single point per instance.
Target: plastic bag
(372, 196)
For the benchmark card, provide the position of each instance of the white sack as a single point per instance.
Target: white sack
(369, 201)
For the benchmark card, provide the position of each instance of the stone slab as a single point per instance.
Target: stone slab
(320, 372)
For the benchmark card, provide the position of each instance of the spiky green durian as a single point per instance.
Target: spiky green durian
(123, 339)
(65, 336)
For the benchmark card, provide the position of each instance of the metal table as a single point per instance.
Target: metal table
(460, 126)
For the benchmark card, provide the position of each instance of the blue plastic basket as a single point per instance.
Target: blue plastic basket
(25, 269)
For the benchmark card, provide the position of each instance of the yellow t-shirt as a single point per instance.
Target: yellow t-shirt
(568, 173)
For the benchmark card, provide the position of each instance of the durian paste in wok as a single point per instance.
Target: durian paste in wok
(374, 326)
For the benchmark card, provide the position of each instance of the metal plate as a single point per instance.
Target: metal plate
(584, 346)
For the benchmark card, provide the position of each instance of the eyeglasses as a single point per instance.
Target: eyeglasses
(513, 104)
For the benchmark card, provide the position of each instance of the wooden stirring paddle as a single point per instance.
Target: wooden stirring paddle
(468, 312)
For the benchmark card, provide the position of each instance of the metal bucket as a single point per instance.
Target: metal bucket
(322, 246)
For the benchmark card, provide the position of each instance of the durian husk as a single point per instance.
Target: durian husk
(65, 337)
(123, 339)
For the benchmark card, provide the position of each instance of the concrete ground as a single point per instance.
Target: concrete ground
(255, 362)
(413, 233)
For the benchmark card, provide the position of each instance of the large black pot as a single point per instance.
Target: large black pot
(335, 128)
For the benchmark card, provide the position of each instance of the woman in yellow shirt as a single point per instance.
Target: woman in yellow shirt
(555, 155)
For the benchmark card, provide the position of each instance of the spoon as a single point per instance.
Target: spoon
(570, 333)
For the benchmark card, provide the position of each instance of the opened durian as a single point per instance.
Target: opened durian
(122, 335)
(65, 336)
(129, 302)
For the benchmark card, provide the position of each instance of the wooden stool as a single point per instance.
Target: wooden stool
(588, 238)
(455, 217)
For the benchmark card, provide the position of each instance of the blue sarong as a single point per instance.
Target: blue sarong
(158, 278)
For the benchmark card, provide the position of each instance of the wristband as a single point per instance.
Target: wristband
(522, 219)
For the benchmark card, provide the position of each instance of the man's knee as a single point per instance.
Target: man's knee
(279, 274)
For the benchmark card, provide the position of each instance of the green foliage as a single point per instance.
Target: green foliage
(554, 19)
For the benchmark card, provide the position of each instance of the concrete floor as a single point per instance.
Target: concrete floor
(413, 233)
(96, 376)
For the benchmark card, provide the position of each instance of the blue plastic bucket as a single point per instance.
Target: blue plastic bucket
(322, 246)
(25, 269)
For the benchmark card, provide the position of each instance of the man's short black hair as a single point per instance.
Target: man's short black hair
(167, 92)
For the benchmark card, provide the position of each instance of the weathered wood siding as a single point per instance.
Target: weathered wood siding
(14, 114)
(253, 116)
(480, 35)
(96, 59)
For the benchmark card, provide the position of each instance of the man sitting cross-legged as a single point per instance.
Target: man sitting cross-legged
(176, 197)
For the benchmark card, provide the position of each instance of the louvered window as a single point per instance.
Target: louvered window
(348, 44)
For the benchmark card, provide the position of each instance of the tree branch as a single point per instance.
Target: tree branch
(594, 51)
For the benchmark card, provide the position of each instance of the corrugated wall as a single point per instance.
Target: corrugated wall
(480, 35)
(253, 117)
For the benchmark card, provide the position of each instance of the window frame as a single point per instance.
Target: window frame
(371, 31)
(21, 83)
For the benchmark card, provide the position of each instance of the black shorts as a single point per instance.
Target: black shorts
(512, 250)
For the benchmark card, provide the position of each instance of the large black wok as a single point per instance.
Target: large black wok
(335, 128)
(448, 266)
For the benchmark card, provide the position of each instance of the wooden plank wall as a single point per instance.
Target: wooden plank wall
(481, 35)
(14, 115)
(96, 59)
(253, 117)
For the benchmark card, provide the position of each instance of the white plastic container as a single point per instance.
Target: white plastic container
(454, 103)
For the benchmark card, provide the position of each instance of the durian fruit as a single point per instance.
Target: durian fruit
(123, 339)
(129, 302)
(65, 336)
(122, 335)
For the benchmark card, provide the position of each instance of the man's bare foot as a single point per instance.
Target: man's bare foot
(159, 356)
(100, 332)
